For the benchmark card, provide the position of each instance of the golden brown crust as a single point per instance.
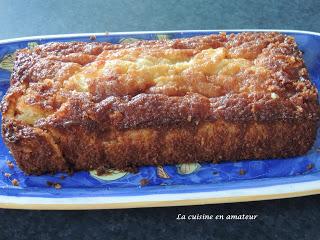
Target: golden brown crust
(257, 103)
(83, 148)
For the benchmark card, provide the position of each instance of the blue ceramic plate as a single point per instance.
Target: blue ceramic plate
(184, 184)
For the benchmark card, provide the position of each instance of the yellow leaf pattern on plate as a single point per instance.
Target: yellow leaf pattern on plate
(128, 40)
(31, 45)
(6, 63)
(110, 176)
(188, 168)
(162, 173)
(163, 36)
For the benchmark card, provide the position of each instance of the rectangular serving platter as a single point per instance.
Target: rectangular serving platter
(155, 186)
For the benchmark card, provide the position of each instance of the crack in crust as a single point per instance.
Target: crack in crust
(86, 105)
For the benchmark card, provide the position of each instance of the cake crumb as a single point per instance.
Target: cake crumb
(144, 182)
(49, 183)
(242, 172)
(15, 182)
(62, 177)
(10, 164)
(54, 184)
(7, 174)
(57, 185)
